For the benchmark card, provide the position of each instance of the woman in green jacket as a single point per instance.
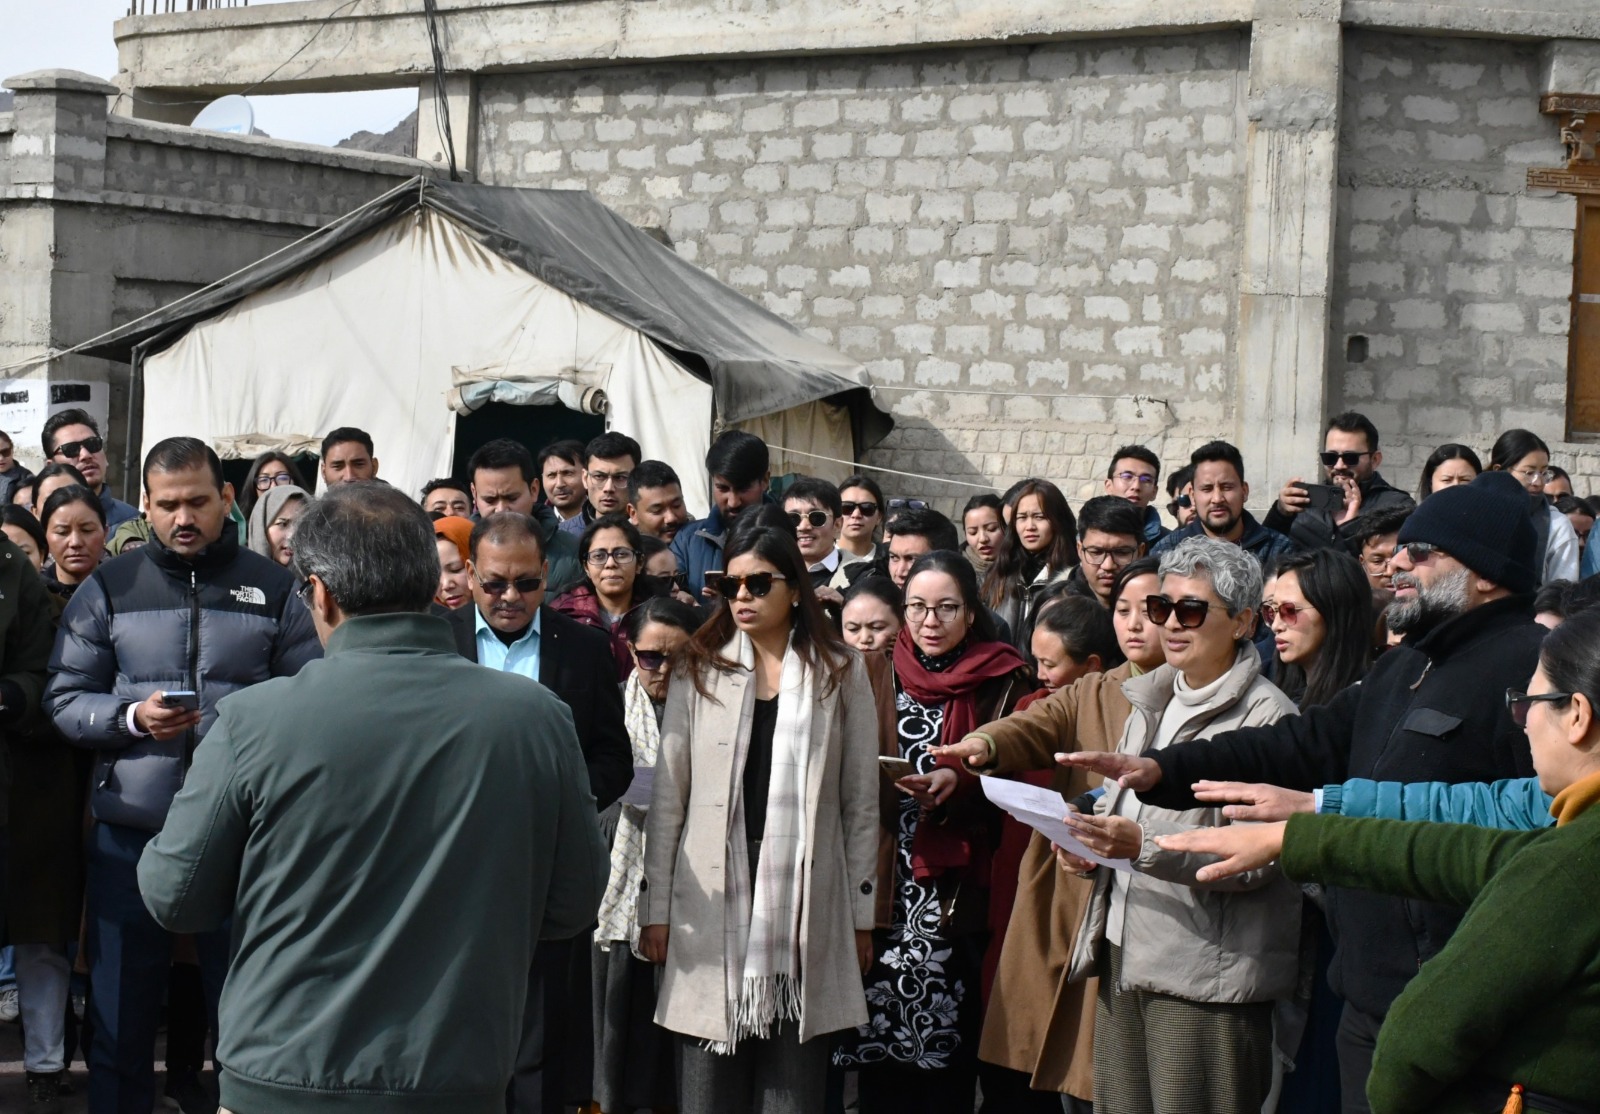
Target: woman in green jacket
(1507, 1016)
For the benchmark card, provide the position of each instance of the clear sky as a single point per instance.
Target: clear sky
(76, 35)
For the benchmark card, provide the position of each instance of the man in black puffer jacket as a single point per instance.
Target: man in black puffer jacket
(192, 611)
(1432, 709)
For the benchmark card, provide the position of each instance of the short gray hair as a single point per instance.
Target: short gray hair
(1234, 574)
(372, 548)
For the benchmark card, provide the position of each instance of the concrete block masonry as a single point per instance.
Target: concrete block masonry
(1003, 227)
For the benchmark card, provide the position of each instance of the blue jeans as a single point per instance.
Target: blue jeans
(129, 957)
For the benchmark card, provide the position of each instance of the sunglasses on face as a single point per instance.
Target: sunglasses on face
(525, 585)
(281, 479)
(1348, 459)
(1190, 611)
(1519, 704)
(818, 519)
(1290, 612)
(758, 584)
(867, 510)
(73, 449)
(1418, 552)
(908, 504)
(650, 661)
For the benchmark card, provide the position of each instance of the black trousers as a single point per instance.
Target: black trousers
(1358, 1037)
(555, 1060)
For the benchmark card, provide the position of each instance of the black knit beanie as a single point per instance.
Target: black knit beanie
(1487, 525)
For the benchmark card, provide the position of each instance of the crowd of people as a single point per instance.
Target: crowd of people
(281, 781)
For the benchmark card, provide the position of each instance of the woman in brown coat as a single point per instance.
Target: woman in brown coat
(1038, 1022)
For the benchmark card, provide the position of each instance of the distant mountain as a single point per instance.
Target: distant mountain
(400, 140)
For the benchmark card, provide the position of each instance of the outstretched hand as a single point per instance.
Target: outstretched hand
(1242, 847)
(972, 752)
(1254, 801)
(1127, 770)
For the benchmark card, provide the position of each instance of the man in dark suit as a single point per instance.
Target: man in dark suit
(508, 628)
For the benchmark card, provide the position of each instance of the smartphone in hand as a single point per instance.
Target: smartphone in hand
(1327, 498)
(896, 768)
(186, 699)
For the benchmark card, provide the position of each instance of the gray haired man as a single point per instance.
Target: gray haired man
(391, 859)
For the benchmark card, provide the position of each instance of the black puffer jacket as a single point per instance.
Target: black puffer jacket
(1431, 710)
(151, 621)
(1316, 530)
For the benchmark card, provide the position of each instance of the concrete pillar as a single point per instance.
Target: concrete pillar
(460, 102)
(1570, 66)
(1291, 163)
(59, 141)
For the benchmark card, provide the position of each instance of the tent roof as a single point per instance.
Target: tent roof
(757, 362)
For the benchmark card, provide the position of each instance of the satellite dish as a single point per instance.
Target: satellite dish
(231, 114)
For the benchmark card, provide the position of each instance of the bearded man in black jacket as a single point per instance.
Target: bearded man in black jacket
(1432, 709)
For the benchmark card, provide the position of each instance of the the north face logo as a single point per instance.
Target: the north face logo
(250, 595)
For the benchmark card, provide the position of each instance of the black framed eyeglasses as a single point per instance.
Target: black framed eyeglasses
(1118, 555)
(525, 585)
(597, 558)
(1348, 459)
(818, 519)
(278, 479)
(943, 613)
(1519, 704)
(848, 507)
(758, 584)
(303, 593)
(1190, 611)
(74, 449)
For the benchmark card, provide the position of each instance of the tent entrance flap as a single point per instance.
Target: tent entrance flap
(474, 393)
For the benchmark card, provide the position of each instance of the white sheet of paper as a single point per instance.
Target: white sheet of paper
(644, 783)
(1042, 809)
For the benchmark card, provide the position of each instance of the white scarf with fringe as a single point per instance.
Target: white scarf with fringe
(619, 908)
(761, 953)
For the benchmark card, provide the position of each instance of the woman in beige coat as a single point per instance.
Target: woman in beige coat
(762, 843)
(1188, 970)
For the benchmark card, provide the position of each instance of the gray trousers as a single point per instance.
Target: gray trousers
(778, 1075)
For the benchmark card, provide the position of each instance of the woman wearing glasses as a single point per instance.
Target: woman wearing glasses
(762, 841)
(609, 550)
(860, 517)
(1319, 608)
(1507, 1014)
(1525, 455)
(633, 1057)
(269, 470)
(918, 1052)
(1189, 970)
(1040, 544)
(1038, 1027)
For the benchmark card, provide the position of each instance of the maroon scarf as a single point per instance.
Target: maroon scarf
(938, 845)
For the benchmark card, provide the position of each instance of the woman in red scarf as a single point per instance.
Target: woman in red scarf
(918, 1051)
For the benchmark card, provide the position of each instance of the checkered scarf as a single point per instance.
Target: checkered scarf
(619, 908)
(761, 953)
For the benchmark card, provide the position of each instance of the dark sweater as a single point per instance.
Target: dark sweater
(1312, 529)
(1515, 995)
(1430, 710)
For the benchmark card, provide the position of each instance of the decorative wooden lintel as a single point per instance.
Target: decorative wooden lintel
(1580, 134)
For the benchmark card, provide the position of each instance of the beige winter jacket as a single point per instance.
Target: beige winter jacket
(686, 850)
(1232, 941)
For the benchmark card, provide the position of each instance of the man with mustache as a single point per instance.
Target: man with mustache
(1350, 458)
(1432, 709)
(196, 615)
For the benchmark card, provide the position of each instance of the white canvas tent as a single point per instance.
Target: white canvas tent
(443, 297)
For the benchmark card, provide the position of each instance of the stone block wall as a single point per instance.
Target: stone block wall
(1016, 242)
(1458, 278)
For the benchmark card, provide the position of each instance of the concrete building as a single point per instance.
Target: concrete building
(105, 218)
(1048, 228)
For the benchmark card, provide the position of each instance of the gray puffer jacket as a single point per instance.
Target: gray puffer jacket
(1235, 941)
(153, 621)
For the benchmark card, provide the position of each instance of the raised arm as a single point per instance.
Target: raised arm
(1516, 804)
(1025, 740)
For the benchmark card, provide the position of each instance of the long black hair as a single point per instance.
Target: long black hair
(1084, 628)
(248, 494)
(959, 569)
(1332, 582)
(1512, 445)
(814, 637)
(1451, 451)
(1011, 558)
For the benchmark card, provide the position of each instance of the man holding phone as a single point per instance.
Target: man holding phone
(1316, 517)
(147, 647)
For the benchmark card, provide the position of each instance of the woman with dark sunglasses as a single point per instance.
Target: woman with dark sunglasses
(761, 848)
(633, 1057)
(860, 517)
(1511, 1005)
(609, 551)
(1319, 608)
(919, 1051)
(1189, 971)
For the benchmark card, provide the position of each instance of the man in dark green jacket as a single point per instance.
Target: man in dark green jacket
(393, 831)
